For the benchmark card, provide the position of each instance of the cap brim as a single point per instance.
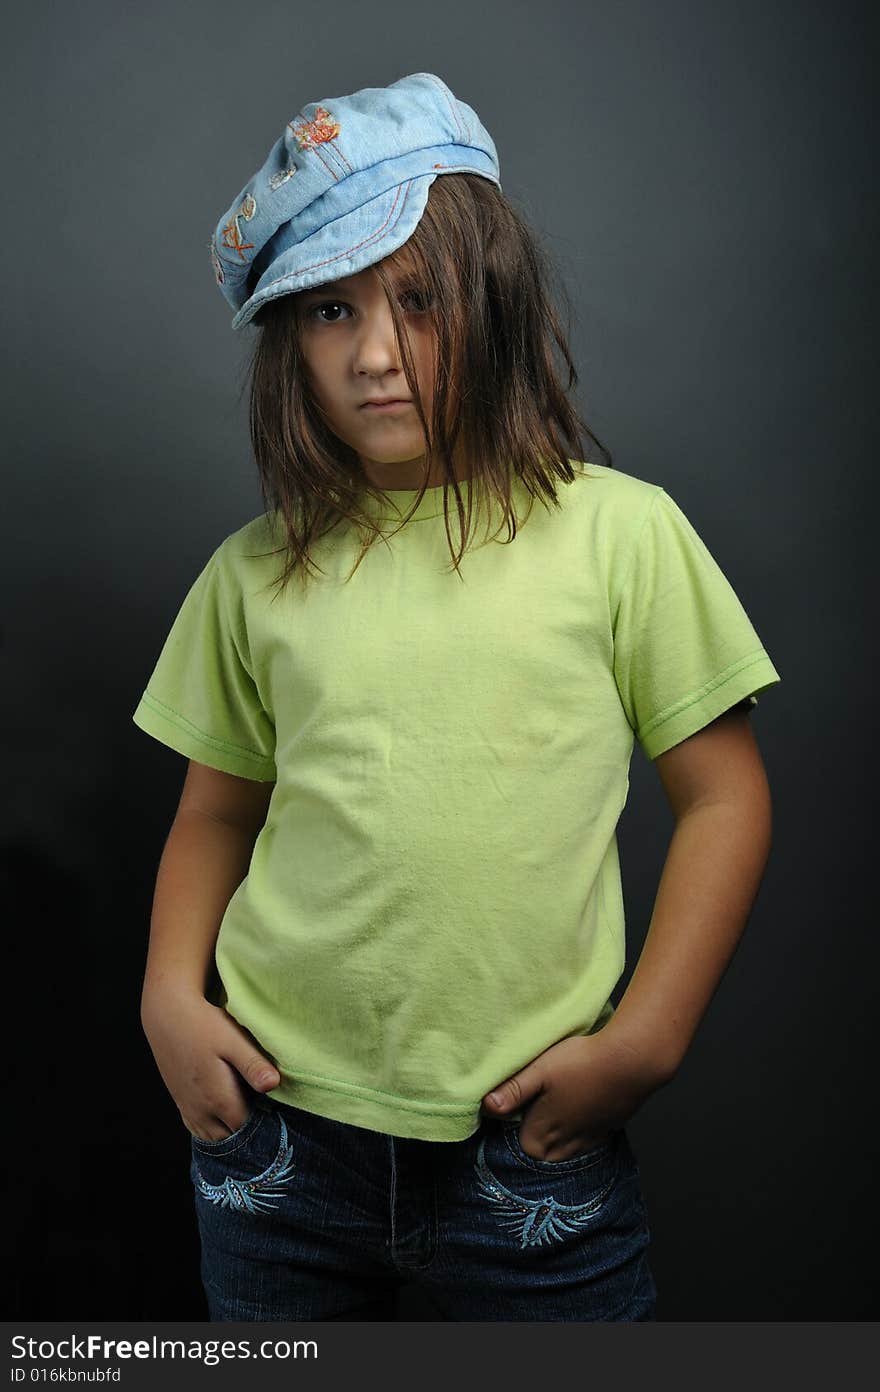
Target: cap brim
(344, 246)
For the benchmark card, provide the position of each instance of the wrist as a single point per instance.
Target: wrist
(640, 1053)
(167, 994)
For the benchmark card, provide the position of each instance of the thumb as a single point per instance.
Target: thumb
(244, 1056)
(510, 1095)
(257, 1070)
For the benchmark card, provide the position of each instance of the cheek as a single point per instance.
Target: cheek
(319, 363)
(426, 364)
(324, 391)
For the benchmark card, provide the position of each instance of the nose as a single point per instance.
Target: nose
(375, 348)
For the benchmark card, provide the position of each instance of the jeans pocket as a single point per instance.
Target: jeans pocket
(595, 1151)
(247, 1173)
(240, 1136)
(548, 1203)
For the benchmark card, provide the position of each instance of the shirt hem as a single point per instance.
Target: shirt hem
(393, 1116)
(155, 719)
(752, 674)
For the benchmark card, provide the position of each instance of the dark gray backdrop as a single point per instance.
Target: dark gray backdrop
(700, 175)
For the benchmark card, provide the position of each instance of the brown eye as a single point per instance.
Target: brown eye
(315, 310)
(420, 299)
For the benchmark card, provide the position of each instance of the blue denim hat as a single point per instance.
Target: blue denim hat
(343, 187)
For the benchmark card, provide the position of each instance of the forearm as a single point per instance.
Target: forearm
(203, 863)
(712, 873)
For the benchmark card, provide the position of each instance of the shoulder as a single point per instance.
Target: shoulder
(607, 511)
(247, 561)
(252, 547)
(614, 488)
(262, 532)
(616, 503)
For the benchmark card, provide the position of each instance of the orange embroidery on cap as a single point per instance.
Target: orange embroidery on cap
(308, 134)
(232, 231)
(322, 127)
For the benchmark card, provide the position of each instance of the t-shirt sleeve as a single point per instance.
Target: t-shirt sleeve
(201, 699)
(685, 650)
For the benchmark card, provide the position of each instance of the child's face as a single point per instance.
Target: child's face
(347, 338)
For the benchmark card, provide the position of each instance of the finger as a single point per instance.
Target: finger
(254, 1067)
(206, 1130)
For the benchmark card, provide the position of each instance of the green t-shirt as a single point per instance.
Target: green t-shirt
(435, 897)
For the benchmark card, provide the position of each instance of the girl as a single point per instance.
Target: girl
(388, 917)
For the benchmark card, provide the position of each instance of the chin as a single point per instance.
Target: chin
(404, 455)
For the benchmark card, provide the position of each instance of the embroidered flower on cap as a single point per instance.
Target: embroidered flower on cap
(316, 131)
(232, 231)
(307, 135)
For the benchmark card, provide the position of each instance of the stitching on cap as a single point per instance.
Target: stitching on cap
(332, 149)
(456, 116)
(328, 154)
(374, 236)
(322, 156)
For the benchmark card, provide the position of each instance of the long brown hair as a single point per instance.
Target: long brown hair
(497, 393)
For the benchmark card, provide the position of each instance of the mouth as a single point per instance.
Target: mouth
(391, 405)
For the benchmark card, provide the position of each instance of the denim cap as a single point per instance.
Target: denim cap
(343, 187)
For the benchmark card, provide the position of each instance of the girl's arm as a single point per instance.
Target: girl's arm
(199, 1049)
(205, 859)
(584, 1085)
(717, 788)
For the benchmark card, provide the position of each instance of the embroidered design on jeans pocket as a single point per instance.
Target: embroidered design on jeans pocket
(536, 1222)
(259, 1194)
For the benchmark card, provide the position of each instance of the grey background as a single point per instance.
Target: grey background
(700, 176)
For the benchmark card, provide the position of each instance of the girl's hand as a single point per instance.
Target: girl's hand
(582, 1088)
(203, 1055)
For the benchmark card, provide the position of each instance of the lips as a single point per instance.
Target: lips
(385, 408)
(386, 401)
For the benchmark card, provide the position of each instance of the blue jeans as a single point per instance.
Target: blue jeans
(306, 1218)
